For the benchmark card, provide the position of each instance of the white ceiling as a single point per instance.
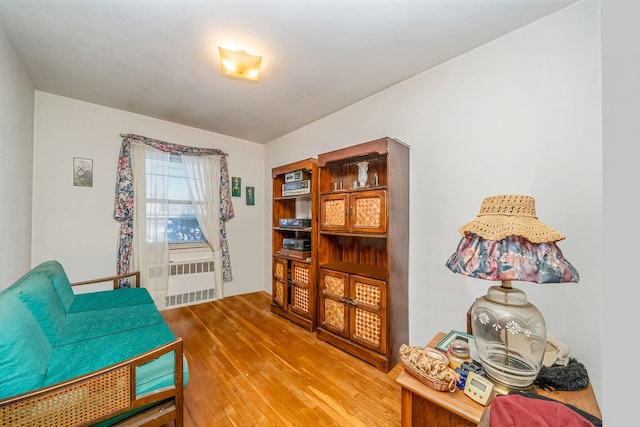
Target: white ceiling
(159, 58)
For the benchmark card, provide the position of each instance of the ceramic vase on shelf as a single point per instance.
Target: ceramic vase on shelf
(363, 168)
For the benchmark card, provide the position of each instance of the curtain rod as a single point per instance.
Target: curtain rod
(122, 135)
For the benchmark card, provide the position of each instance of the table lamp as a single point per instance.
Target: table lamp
(506, 242)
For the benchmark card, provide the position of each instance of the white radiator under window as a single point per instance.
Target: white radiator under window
(190, 282)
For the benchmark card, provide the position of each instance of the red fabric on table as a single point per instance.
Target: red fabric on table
(516, 410)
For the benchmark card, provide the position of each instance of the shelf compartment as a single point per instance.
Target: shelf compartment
(360, 252)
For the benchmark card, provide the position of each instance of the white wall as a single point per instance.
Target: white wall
(75, 225)
(621, 129)
(518, 115)
(16, 150)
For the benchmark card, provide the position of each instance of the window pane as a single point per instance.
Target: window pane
(182, 225)
(184, 229)
(178, 189)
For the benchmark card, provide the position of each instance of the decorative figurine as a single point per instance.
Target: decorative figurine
(363, 168)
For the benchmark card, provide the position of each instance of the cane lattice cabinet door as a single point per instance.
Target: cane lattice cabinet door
(294, 242)
(352, 307)
(301, 290)
(280, 282)
(363, 247)
(334, 307)
(367, 314)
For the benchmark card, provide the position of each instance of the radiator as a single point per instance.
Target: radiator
(190, 282)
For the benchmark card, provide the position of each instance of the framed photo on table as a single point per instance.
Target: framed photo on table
(443, 344)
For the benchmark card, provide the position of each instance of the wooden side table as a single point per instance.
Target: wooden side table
(423, 406)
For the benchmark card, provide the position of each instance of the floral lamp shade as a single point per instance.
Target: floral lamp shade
(506, 242)
(512, 258)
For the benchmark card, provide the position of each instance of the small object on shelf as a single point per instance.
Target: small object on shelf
(458, 352)
(296, 176)
(296, 244)
(478, 388)
(296, 188)
(429, 366)
(294, 222)
(443, 344)
(572, 377)
(375, 179)
(296, 254)
(464, 370)
(363, 168)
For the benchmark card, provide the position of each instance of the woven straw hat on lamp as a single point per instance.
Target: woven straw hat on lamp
(510, 214)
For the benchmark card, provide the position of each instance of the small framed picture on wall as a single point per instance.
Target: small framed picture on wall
(251, 196)
(236, 186)
(82, 172)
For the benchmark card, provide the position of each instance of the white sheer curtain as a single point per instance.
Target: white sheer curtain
(150, 218)
(203, 173)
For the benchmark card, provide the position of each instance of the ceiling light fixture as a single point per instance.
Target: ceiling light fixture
(239, 64)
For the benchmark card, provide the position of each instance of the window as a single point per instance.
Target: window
(182, 226)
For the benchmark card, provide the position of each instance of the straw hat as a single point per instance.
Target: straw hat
(510, 214)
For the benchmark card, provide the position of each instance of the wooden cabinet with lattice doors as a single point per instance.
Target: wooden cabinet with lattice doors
(363, 248)
(294, 272)
(362, 211)
(353, 307)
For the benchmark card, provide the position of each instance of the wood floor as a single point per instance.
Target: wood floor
(249, 367)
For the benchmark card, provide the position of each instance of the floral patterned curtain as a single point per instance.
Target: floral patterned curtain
(123, 210)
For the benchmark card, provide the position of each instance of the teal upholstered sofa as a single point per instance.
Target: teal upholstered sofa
(86, 359)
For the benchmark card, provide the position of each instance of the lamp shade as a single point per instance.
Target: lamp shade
(512, 258)
(506, 242)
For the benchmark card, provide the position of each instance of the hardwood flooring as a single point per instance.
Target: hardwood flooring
(250, 367)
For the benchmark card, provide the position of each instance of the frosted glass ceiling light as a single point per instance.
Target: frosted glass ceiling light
(239, 64)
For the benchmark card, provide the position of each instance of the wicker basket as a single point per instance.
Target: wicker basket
(431, 382)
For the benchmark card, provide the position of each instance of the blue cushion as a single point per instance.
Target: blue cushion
(24, 349)
(108, 299)
(41, 299)
(96, 353)
(86, 325)
(54, 271)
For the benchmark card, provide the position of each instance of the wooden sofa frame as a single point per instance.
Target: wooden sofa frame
(102, 394)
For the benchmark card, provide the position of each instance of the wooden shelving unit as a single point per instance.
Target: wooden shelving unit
(363, 236)
(294, 281)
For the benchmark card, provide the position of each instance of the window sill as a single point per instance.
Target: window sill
(188, 247)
